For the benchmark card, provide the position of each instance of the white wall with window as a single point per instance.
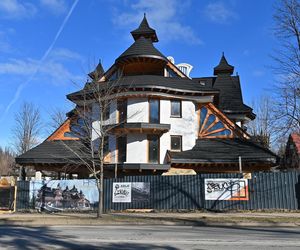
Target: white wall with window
(137, 110)
(184, 126)
(180, 114)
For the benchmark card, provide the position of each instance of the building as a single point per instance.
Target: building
(160, 119)
(292, 152)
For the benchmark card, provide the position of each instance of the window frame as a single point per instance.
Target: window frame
(158, 149)
(124, 104)
(176, 150)
(106, 145)
(149, 116)
(118, 149)
(180, 108)
(106, 113)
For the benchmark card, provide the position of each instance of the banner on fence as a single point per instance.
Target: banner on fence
(131, 192)
(226, 189)
(60, 195)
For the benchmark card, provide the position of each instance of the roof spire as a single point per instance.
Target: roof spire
(97, 72)
(144, 30)
(223, 67)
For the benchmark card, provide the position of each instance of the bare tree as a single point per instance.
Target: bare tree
(95, 125)
(287, 67)
(7, 161)
(57, 117)
(262, 127)
(26, 130)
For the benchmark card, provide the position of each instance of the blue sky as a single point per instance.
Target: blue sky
(48, 46)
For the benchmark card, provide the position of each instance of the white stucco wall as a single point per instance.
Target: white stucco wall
(95, 114)
(137, 110)
(184, 126)
(137, 148)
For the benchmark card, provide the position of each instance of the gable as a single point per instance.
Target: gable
(214, 124)
(62, 132)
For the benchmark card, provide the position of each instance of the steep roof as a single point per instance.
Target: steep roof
(56, 152)
(223, 67)
(144, 30)
(142, 47)
(224, 150)
(230, 93)
(97, 72)
(230, 97)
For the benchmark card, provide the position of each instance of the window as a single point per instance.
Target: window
(69, 135)
(106, 112)
(122, 110)
(176, 143)
(106, 145)
(171, 73)
(175, 108)
(122, 146)
(183, 69)
(97, 145)
(153, 149)
(79, 128)
(154, 111)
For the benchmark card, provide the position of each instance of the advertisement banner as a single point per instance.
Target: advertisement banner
(60, 195)
(226, 189)
(131, 192)
(122, 192)
(140, 191)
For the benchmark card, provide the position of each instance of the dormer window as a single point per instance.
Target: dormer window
(183, 69)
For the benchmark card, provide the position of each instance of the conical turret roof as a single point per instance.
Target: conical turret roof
(223, 67)
(142, 47)
(144, 30)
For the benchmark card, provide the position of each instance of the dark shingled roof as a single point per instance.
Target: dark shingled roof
(142, 47)
(97, 73)
(223, 67)
(57, 152)
(224, 150)
(147, 81)
(230, 97)
(144, 30)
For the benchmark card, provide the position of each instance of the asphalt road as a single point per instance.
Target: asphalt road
(147, 237)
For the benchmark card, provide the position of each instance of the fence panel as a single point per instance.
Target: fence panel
(23, 195)
(265, 190)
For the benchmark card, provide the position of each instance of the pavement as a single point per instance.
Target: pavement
(148, 237)
(256, 219)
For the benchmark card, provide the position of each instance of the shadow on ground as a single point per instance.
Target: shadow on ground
(28, 238)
